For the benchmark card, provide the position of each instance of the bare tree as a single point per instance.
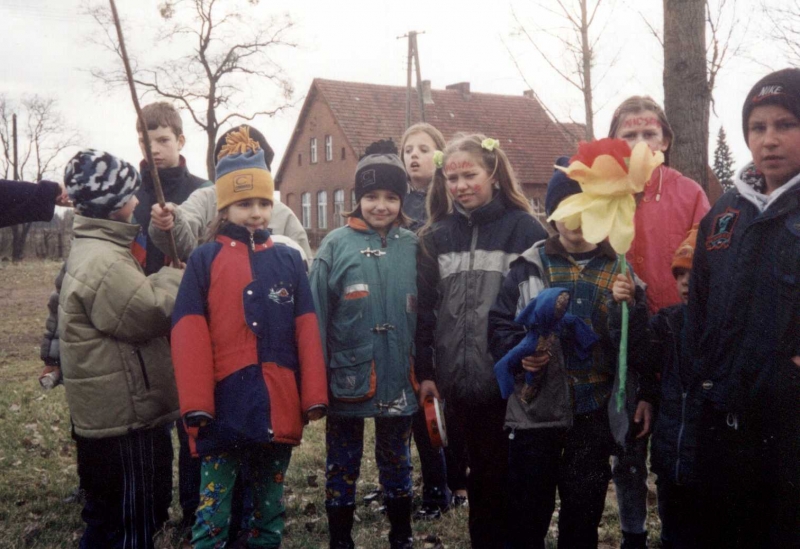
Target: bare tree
(43, 137)
(784, 22)
(228, 49)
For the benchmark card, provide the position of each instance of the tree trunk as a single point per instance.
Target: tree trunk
(587, 73)
(686, 93)
(20, 235)
(211, 162)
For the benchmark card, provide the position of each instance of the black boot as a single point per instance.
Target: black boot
(340, 524)
(634, 541)
(399, 512)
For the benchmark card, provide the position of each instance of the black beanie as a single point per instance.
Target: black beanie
(381, 171)
(255, 135)
(559, 187)
(779, 88)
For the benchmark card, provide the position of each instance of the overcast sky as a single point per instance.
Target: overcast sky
(45, 50)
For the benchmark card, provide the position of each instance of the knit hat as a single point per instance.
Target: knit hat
(779, 88)
(685, 253)
(381, 168)
(559, 187)
(99, 184)
(256, 135)
(242, 171)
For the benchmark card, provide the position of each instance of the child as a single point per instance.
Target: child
(364, 284)
(561, 437)
(669, 206)
(417, 146)
(115, 358)
(675, 436)
(744, 334)
(480, 222)
(246, 383)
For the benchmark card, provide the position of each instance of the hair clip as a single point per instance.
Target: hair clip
(490, 144)
(438, 159)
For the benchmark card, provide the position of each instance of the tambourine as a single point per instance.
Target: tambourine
(434, 419)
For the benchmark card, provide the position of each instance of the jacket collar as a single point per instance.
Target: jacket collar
(553, 246)
(748, 176)
(358, 224)
(486, 213)
(116, 232)
(169, 177)
(241, 234)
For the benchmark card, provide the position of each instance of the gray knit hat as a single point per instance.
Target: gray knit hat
(99, 183)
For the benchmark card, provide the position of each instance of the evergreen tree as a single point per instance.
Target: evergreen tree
(723, 161)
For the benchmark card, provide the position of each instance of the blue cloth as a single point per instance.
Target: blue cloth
(539, 319)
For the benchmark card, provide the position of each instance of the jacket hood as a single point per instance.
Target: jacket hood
(748, 177)
(105, 229)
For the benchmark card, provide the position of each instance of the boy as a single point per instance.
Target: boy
(744, 332)
(558, 440)
(674, 441)
(116, 360)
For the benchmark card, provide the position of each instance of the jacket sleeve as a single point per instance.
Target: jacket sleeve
(23, 202)
(49, 351)
(504, 333)
(192, 353)
(698, 293)
(294, 230)
(427, 296)
(133, 307)
(191, 219)
(320, 271)
(313, 373)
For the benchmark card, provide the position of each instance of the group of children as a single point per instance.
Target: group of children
(390, 317)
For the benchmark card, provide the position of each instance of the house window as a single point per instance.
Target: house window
(313, 150)
(352, 199)
(322, 210)
(328, 148)
(343, 154)
(299, 159)
(537, 205)
(338, 207)
(305, 201)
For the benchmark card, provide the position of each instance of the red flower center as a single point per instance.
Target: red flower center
(617, 148)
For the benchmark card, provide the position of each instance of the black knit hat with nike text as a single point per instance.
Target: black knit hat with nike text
(779, 88)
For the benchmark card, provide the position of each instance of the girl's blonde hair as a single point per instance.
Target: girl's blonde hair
(639, 103)
(422, 127)
(439, 203)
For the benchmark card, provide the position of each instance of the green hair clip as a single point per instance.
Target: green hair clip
(438, 159)
(490, 144)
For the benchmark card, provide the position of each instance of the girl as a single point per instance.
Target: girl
(364, 285)
(670, 205)
(417, 147)
(479, 223)
(245, 384)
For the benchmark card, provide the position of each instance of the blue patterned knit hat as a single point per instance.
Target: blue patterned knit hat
(99, 183)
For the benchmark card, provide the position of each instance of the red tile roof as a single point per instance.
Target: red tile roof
(368, 112)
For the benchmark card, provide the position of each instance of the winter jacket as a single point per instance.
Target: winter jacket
(571, 385)
(414, 208)
(177, 184)
(114, 321)
(670, 206)
(674, 442)
(49, 349)
(365, 290)
(461, 265)
(245, 342)
(193, 216)
(23, 202)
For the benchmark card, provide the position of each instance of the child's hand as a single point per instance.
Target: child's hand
(163, 218)
(535, 362)
(643, 416)
(428, 389)
(316, 413)
(623, 289)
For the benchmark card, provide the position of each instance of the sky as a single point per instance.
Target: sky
(47, 50)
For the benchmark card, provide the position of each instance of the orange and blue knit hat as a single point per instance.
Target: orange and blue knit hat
(242, 170)
(684, 255)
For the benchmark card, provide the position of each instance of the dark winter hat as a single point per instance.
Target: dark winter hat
(559, 187)
(381, 168)
(256, 135)
(99, 183)
(779, 88)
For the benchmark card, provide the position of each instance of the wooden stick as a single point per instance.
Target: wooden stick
(173, 249)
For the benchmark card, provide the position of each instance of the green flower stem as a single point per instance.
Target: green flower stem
(623, 345)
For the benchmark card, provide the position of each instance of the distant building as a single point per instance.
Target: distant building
(340, 119)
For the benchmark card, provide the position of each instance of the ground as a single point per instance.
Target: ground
(37, 455)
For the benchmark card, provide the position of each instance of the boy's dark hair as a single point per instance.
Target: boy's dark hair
(160, 114)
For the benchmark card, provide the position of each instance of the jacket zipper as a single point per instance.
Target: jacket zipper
(144, 370)
(473, 244)
(680, 437)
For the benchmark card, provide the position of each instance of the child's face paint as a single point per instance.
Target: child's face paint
(642, 126)
(468, 181)
(774, 141)
(251, 213)
(166, 147)
(418, 157)
(682, 282)
(380, 209)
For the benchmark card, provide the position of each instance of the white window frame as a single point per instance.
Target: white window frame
(313, 159)
(353, 199)
(305, 205)
(322, 209)
(328, 148)
(338, 208)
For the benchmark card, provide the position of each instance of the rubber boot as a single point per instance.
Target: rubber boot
(634, 541)
(399, 512)
(340, 526)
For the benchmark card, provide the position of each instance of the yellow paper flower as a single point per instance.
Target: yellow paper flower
(438, 159)
(608, 178)
(490, 144)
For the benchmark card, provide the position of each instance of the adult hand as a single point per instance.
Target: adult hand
(428, 389)
(163, 218)
(535, 362)
(623, 289)
(643, 416)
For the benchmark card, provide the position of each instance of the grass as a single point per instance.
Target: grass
(37, 455)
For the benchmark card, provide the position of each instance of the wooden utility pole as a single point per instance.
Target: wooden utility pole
(14, 141)
(413, 60)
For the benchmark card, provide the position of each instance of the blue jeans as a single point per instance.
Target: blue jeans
(629, 472)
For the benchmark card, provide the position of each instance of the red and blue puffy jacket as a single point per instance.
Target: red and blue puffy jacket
(245, 342)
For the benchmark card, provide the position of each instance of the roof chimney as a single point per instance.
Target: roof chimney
(462, 87)
(427, 98)
(528, 94)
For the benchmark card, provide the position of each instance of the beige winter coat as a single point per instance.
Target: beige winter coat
(114, 320)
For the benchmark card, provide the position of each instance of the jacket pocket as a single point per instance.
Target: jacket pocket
(352, 374)
(284, 401)
(140, 358)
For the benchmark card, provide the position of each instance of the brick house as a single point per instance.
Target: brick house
(340, 119)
